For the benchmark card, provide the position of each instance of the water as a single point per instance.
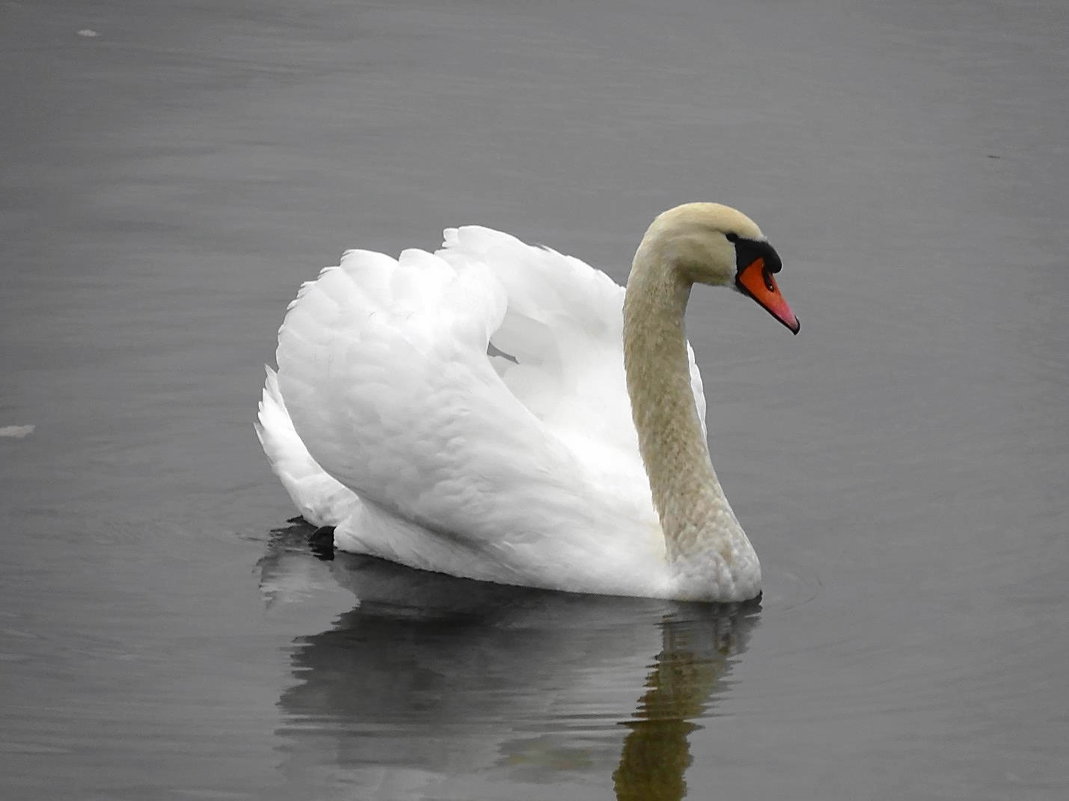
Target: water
(901, 465)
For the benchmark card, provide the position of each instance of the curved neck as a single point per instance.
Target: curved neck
(695, 515)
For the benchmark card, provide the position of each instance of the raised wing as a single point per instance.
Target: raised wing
(384, 370)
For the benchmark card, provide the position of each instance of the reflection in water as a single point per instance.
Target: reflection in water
(697, 652)
(432, 683)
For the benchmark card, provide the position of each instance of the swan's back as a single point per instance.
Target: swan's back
(520, 465)
(560, 338)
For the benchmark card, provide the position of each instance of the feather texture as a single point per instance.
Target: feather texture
(466, 411)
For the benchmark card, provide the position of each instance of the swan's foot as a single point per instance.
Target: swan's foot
(322, 542)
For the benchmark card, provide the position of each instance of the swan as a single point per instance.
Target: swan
(505, 413)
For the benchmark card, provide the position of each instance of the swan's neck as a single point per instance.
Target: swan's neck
(696, 519)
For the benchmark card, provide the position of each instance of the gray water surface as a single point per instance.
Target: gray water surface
(172, 171)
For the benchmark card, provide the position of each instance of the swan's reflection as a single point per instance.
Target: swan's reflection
(436, 686)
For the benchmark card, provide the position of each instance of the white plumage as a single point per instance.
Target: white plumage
(389, 419)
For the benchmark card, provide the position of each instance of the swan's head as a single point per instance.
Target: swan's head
(708, 243)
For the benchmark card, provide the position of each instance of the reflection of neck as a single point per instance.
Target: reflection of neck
(695, 516)
(656, 751)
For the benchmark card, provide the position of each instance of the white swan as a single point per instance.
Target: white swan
(467, 411)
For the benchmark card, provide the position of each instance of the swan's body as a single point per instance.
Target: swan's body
(389, 419)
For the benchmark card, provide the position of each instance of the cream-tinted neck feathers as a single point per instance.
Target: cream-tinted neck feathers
(705, 545)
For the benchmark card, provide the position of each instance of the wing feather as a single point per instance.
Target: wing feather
(385, 375)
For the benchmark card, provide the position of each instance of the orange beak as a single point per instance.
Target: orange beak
(757, 281)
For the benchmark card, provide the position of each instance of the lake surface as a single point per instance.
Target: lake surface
(172, 171)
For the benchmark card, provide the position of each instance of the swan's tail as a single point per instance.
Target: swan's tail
(321, 500)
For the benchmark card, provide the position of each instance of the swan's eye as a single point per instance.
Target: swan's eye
(732, 237)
